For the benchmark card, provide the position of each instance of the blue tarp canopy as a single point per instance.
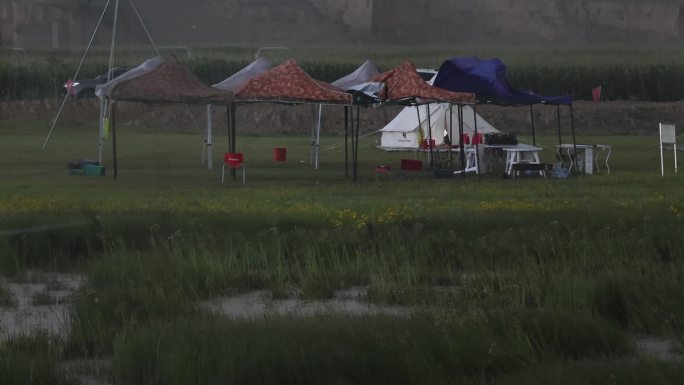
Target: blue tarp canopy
(487, 80)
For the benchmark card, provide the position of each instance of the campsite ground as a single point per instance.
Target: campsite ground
(526, 281)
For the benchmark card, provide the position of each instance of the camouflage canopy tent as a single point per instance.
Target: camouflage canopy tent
(157, 80)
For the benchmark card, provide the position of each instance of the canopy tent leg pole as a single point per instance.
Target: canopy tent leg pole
(420, 131)
(356, 146)
(353, 145)
(232, 129)
(461, 147)
(534, 138)
(233, 121)
(100, 143)
(574, 140)
(210, 164)
(312, 141)
(477, 146)
(233, 126)
(228, 124)
(429, 137)
(559, 124)
(113, 123)
(318, 137)
(451, 136)
(346, 141)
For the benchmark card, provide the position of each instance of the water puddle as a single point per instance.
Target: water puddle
(658, 348)
(258, 304)
(40, 302)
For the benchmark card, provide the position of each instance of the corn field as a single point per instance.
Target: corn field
(620, 81)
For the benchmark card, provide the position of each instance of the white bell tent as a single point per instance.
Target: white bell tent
(406, 132)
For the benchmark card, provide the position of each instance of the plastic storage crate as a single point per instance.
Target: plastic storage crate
(412, 165)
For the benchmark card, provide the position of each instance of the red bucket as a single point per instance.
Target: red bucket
(279, 154)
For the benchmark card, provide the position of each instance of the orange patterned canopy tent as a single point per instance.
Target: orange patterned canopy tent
(288, 83)
(404, 85)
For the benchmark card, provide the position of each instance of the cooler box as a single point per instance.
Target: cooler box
(92, 170)
(442, 173)
(279, 154)
(410, 164)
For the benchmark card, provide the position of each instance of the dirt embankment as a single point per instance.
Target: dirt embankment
(590, 118)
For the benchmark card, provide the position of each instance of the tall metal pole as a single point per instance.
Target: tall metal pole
(113, 123)
(109, 78)
(100, 143)
(111, 47)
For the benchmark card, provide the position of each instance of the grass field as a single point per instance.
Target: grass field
(526, 281)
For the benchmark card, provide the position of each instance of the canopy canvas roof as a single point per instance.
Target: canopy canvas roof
(406, 132)
(289, 83)
(361, 75)
(403, 84)
(488, 80)
(241, 77)
(161, 80)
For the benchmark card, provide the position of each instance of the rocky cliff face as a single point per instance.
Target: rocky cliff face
(239, 22)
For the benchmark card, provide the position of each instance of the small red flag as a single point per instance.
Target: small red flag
(596, 94)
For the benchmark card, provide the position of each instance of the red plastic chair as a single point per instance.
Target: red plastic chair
(233, 160)
(478, 139)
(465, 139)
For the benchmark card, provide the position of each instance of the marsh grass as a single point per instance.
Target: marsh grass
(600, 372)
(329, 349)
(7, 298)
(548, 271)
(43, 298)
(34, 359)
(546, 283)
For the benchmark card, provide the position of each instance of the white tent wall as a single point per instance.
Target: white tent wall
(403, 131)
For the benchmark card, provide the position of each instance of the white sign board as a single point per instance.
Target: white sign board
(667, 136)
